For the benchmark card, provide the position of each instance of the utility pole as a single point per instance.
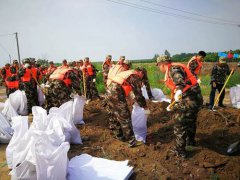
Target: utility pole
(18, 48)
(10, 59)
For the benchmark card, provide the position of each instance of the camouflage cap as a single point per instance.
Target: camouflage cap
(163, 58)
(127, 63)
(222, 59)
(109, 56)
(80, 61)
(51, 62)
(122, 57)
(86, 58)
(27, 60)
(64, 60)
(15, 61)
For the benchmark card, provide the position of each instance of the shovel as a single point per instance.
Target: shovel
(233, 148)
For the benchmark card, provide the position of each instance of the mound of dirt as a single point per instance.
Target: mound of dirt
(216, 131)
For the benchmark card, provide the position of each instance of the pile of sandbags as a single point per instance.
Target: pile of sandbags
(40, 151)
(6, 131)
(15, 105)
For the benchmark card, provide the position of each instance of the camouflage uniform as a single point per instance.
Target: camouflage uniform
(218, 76)
(91, 89)
(117, 107)
(185, 112)
(30, 89)
(12, 78)
(193, 66)
(105, 70)
(58, 93)
(3, 75)
(145, 81)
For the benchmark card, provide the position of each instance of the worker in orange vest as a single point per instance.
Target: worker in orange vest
(5, 73)
(105, 68)
(12, 81)
(28, 83)
(195, 64)
(186, 103)
(90, 80)
(50, 69)
(63, 82)
(123, 83)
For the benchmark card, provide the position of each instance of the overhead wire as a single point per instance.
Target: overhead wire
(137, 6)
(187, 12)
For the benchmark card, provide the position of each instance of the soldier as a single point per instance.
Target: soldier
(145, 81)
(105, 68)
(50, 69)
(90, 80)
(188, 98)
(218, 78)
(28, 84)
(5, 73)
(120, 84)
(12, 82)
(195, 64)
(62, 83)
(121, 60)
(64, 64)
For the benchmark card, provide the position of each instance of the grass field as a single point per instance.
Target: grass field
(154, 76)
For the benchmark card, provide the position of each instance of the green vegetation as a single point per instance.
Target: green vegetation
(155, 77)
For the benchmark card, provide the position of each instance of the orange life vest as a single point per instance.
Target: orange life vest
(8, 72)
(89, 69)
(62, 74)
(27, 75)
(190, 77)
(34, 72)
(12, 84)
(118, 75)
(195, 58)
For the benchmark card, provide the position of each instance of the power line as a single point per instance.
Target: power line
(188, 12)
(137, 6)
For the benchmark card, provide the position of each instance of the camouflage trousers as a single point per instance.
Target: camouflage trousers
(119, 114)
(57, 94)
(185, 115)
(91, 89)
(31, 94)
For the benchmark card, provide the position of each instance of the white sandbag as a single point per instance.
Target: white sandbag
(86, 167)
(6, 131)
(20, 127)
(51, 162)
(139, 123)
(157, 94)
(25, 170)
(41, 96)
(8, 110)
(62, 121)
(78, 105)
(18, 100)
(235, 96)
(40, 121)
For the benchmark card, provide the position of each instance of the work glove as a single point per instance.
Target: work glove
(178, 95)
(147, 111)
(26, 65)
(169, 108)
(199, 81)
(94, 80)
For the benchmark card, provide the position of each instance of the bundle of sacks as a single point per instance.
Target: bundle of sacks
(40, 151)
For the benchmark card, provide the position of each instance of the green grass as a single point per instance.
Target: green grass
(154, 76)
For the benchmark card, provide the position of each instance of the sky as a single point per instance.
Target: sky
(74, 29)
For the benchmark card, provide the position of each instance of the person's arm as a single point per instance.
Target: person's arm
(214, 73)
(135, 82)
(75, 82)
(178, 76)
(192, 66)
